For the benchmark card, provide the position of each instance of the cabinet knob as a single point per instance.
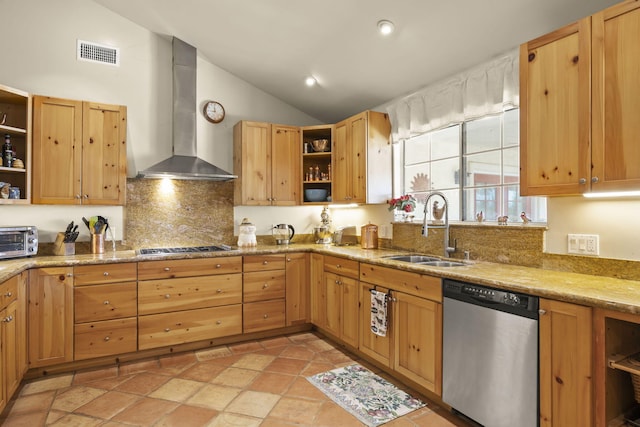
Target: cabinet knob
(218, 265)
(265, 262)
(106, 302)
(288, 259)
(265, 316)
(218, 291)
(8, 294)
(582, 181)
(595, 180)
(218, 322)
(167, 296)
(107, 338)
(265, 286)
(338, 266)
(7, 319)
(69, 275)
(167, 269)
(106, 273)
(86, 196)
(167, 329)
(542, 312)
(78, 196)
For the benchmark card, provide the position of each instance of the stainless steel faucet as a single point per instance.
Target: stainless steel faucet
(448, 250)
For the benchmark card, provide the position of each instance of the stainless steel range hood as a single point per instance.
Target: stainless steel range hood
(184, 163)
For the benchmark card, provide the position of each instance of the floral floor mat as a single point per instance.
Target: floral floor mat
(368, 397)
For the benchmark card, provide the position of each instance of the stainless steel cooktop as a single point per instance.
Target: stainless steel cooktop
(182, 250)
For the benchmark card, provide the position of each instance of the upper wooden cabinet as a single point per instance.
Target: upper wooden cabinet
(79, 152)
(15, 121)
(578, 106)
(362, 159)
(266, 158)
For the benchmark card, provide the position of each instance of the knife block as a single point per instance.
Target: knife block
(62, 248)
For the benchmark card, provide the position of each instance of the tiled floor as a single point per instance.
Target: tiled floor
(259, 383)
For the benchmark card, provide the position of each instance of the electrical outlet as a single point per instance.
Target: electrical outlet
(583, 244)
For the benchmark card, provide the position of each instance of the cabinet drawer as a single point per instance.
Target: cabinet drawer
(420, 285)
(104, 273)
(264, 285)
(105, 338)
(167, 269)
(161, 296)
(261, 316)
(159, 330)
(341, 266)
(264, 262)
(102, 302)
(8, 291)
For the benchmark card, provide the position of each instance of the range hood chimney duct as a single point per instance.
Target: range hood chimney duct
(184, 163)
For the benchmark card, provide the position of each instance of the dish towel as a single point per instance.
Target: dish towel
(378, 313)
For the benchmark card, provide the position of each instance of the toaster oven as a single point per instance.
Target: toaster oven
(18, 241)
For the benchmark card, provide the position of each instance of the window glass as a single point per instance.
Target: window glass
(511, 128)
(483, 134)
(417, 150)
(483, 169)
(445, 143)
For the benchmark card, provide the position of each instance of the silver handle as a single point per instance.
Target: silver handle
(218, 291)
(582, 181)
(167, 269)
(8, 294)
(218, 322)
(218, 265)
(7, 319)
(167, 329)
(106, 302)
(265, 316)
(106, 273)
(167, 296)
(265, 262)
(107, 338)
(595, 180)
(265, 286)
(542, 312)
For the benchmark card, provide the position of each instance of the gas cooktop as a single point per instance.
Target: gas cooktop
(183, 250)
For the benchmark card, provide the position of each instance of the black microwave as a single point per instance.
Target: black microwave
(18, 241)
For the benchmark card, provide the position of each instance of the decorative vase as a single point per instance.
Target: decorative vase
(399, 215)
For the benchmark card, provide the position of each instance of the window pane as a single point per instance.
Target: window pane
(511, 128)
(534, 207)
(482, 134)
(445, 174)
(511, 165)
(445, 143)
(485, 200)
(416, 150)
(482, 169)
(417, 179)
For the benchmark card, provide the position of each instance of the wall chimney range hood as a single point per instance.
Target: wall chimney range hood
(184, 163)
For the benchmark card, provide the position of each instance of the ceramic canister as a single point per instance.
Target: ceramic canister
(369, 236)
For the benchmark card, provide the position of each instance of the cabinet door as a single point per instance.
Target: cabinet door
(21, 319)
(555, 112)
(341, 164)
(252, 163)
(417, 329)
(286, 157)
(333, 303)
(297, 289)
(104, 154)
(373, 345)
(318, 297)
(357, 143)
(57, 152)
(50, 316)
(565, 364)
(616, 90)
(10, 336)
(350, 313)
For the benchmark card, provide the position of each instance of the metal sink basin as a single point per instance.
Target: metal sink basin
(412, 258)
(443, 263)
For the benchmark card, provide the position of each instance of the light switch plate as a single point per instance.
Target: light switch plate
(583, 244)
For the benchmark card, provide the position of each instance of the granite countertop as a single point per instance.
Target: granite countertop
(595, 291)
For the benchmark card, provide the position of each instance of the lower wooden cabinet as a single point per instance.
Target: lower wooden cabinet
(161, 330)
(566, 372)
(375, 346)
(263, 315)
(50, 316)
(342, 307)
(105, 338)
(297, 289)
(318, 297)
(264, 292)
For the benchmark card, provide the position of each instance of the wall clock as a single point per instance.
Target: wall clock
(214, 111)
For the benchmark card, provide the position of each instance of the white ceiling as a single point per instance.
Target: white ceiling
(275, 44)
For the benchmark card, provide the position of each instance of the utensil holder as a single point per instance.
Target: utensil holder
(97, 243)
(62, 248)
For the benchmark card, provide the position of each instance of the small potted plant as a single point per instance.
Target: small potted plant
(402, 206)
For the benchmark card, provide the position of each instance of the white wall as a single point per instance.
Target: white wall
(38, 52)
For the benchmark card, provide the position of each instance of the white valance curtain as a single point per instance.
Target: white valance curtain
(489, 88)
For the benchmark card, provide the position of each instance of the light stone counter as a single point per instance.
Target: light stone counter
(596, 291)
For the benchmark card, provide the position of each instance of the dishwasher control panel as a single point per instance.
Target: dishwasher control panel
(490, 296)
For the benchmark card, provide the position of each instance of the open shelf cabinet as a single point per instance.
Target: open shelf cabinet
(15, 116)
(317, 166)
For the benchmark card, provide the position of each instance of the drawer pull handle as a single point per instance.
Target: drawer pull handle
(219, 291)
(69, 275)
(107, 338)
(338, 265)
(7, 319)
(167, 296)
(218, 322)
(265, 262)
(8, 294)
(266, 315)
(106, 302)
(106, 273)
(167, 329)
(542, 312)
(265, 286)
(167, 269)
(288, 259)
(218, 265)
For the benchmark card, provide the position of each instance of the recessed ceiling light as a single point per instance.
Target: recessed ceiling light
(385, 27)
(310, 81)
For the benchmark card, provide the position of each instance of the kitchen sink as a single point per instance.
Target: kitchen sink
(412, 258)
(443, 263)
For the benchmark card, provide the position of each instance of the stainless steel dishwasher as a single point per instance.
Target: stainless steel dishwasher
(490, 354)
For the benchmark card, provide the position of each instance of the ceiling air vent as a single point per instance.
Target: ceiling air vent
(93, 52)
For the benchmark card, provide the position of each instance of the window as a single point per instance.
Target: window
(476, 165)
